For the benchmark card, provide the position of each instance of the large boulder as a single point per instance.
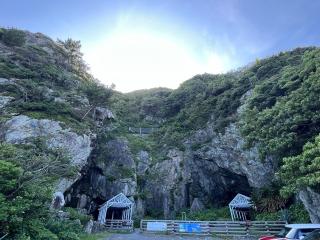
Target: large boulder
(21, 129)
(58, 200)
(88, 227)
(101, 114)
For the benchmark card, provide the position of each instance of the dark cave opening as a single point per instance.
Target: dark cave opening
(114, 213)
(95, 212)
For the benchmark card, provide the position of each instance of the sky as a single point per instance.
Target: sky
(141, 44)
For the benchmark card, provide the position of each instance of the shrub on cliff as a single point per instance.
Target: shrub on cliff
(283, 112)
(13, 37)
(302, 170)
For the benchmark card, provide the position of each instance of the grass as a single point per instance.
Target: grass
(95, 236)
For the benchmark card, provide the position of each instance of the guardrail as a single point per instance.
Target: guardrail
(218, 228)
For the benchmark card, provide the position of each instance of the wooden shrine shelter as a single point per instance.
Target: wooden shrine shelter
(240, 208)
(116, 213)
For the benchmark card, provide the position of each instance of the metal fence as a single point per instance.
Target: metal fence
(215, 228)
(141, 131)
(119, 225)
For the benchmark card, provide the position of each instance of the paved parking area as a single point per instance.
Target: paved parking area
(148, 236)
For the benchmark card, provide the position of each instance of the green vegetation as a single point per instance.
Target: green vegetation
(125, 172)
(74, 57)
(294, 214)
(30, 172)
(8, 69)
(74, 215)
(268, 199)
(97, 236)
(199, 100)
(27, 177)
(138, 143)
(62, 112)
(212, 214)
(43, 77)
(301, 171)
(135, 106)
(61, 229)
(283, 113)
(281, 117)
(272, 206)
(12, 37)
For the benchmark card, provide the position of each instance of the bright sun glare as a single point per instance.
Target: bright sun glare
(140, 60)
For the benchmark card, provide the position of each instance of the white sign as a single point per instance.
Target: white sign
(156, 226)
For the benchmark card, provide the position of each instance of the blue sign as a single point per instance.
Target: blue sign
(190, 227)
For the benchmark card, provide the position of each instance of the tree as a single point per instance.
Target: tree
(74, 55)
(303, 170)
(97, 94)
(27, 175)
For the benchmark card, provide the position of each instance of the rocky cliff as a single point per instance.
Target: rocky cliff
(212, 173)
(196, 153)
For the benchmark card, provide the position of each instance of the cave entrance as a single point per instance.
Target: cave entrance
(116, 213)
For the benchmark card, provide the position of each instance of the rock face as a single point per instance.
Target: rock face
(58, 200)
(21, 129)
(311, 201)
(211, 170)
(184, 177)
(227, 151)
(112, 171)
(101, 113)
(143, 162)
(197, 205)
(4, 81)
(4, 100)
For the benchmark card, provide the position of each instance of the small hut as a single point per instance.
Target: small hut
(116, 212)
(240, 208)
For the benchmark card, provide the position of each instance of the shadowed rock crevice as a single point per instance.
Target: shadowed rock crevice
(111, 170)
